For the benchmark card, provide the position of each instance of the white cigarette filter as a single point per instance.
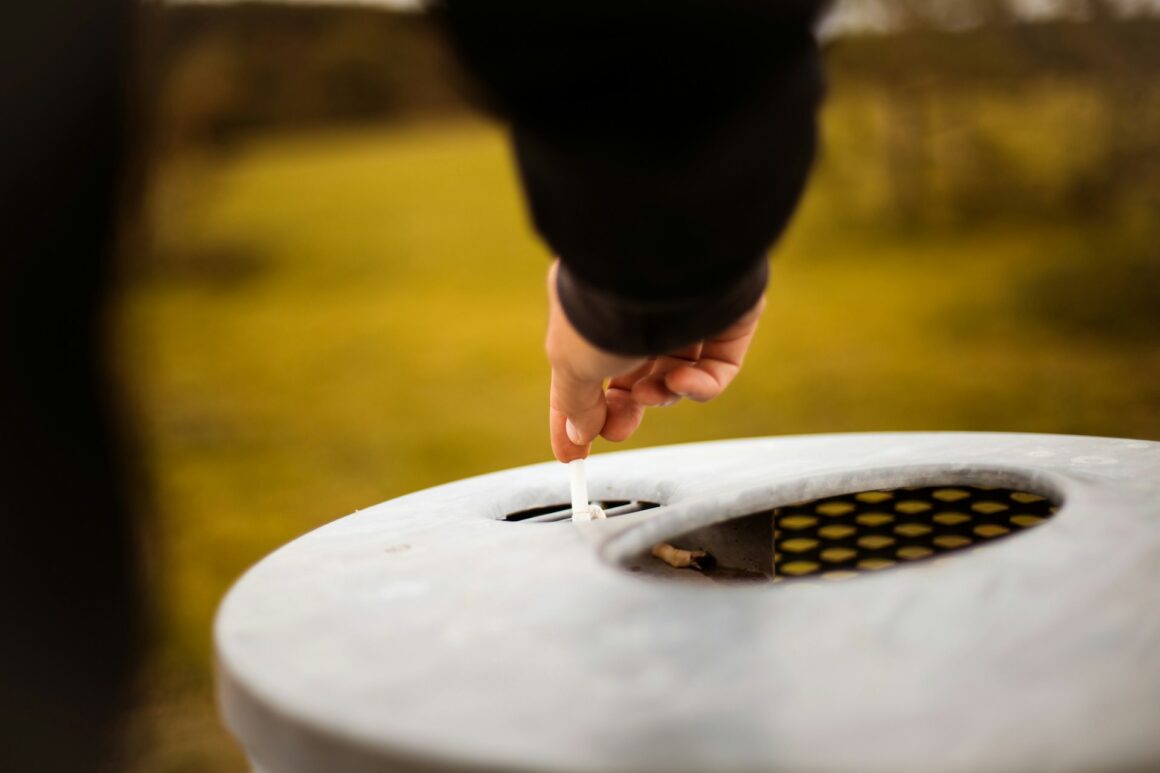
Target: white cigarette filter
(582, 510)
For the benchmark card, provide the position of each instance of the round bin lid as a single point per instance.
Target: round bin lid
(426, 632)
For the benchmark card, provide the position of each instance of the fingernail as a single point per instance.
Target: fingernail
(573, 433)
(670, 401)
(678, 393)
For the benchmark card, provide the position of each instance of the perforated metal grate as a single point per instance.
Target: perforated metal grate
(838, 537)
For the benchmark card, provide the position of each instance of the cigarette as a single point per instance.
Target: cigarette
(582, 510)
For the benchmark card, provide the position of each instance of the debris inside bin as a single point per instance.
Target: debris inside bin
(683, 559)
(840, 537)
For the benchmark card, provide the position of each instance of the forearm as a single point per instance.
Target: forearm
(661, 151)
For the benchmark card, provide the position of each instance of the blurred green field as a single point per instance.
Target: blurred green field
(333, 319)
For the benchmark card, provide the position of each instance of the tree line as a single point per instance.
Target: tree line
(931, 119)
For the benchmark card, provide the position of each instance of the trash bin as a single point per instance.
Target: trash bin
(871, 602)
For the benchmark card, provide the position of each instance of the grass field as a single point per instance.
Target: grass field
(331, 320)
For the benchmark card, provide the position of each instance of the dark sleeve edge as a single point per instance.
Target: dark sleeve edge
(638, 328)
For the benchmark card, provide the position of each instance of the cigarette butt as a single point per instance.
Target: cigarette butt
(682, 559)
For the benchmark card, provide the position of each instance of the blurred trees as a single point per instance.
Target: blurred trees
(1004, 119)
(958, 111)
(222, 72)
(974, 116)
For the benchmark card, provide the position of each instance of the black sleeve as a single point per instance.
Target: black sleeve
(662, 148)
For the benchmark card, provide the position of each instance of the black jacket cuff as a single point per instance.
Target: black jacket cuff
(637, 327)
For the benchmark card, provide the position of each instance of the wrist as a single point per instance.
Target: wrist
(570, 354)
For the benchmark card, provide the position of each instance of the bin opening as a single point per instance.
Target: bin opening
(839, 537)
(563, 511)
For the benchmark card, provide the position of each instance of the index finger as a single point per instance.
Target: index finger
(581, 403)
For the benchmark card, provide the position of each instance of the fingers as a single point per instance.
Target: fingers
(718, 362)
(577, 405)
(576, 415)
(702, 381)
(653, 390)
(624, 411)
(580, 408)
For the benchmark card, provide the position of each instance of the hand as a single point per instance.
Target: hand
(582, 408)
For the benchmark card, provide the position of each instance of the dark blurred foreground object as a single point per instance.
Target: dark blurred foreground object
(662, 148)
(67, 566)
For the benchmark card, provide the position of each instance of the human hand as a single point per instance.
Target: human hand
(582, 407)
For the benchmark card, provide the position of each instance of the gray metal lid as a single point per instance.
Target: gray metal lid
(427, 632)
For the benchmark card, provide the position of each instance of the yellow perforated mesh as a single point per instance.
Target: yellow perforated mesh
(839, 537)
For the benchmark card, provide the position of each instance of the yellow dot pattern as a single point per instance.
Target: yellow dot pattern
(874, 519)
(839, 537)
(836, 531)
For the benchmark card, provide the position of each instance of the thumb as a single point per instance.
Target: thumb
(576, 414)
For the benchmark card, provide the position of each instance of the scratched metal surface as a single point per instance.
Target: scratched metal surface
(426, 633)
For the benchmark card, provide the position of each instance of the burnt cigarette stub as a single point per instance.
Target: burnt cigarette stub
(679, 558)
